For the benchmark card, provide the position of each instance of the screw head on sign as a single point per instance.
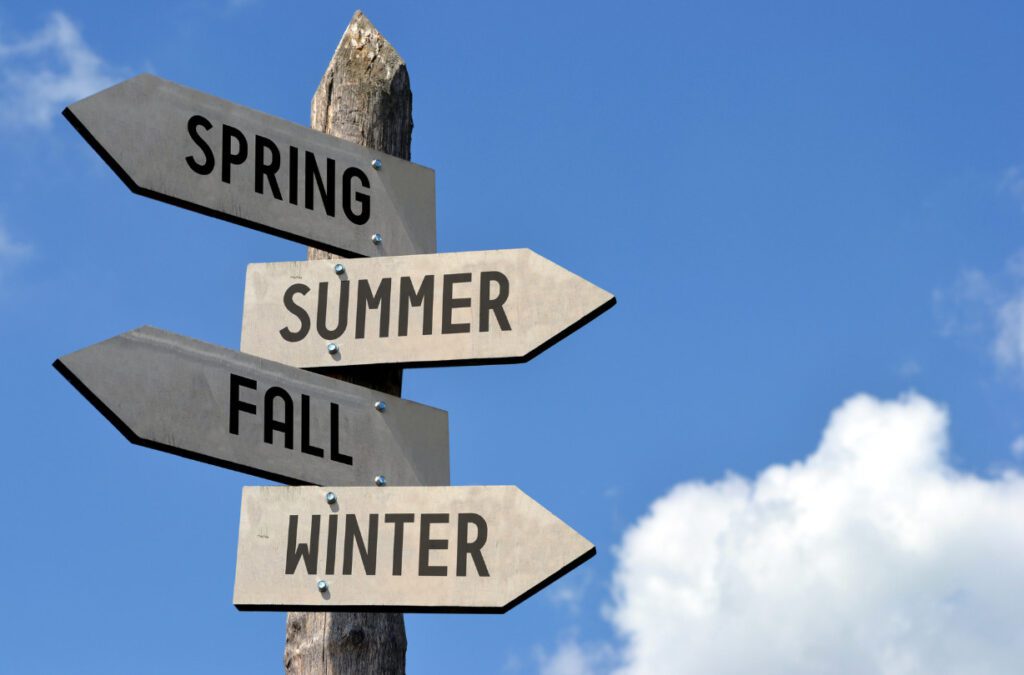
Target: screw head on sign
(332, 348)
(376, 164)
(331, 497)
(321, 586)
(381, 406)
(380, 481)
(339, 269)
(376, 238)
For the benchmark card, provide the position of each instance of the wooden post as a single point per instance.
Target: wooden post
(364, 97)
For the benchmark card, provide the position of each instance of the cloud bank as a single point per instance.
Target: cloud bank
(873, 555)
(42, 73)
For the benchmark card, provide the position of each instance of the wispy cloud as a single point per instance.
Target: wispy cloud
(43, 72)
(991, 306)
(1012, 183)
(909, 368)
(571, 657)
(966, 306)
(11, 250)
(1008, 347)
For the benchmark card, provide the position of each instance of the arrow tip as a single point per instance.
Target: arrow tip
(566, 548)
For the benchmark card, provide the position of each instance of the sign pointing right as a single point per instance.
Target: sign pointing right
(410, 549)
(476, 307)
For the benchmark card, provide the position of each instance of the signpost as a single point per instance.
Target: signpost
(215, 405)
(206, 154)
(475, 307)
(430, 548)
(421, 549)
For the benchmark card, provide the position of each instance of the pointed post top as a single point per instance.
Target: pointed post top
(364, 95)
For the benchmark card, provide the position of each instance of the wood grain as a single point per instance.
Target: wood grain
(364, 97)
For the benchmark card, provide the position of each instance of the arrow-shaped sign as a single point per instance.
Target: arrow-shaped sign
(409, 549)
(215, 405)
(209, 155)
(446, 308)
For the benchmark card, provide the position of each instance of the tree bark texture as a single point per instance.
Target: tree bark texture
(364, 97)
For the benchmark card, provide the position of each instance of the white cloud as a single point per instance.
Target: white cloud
(1017, 447)
(45, 71)
(873, 555)
(573, 658)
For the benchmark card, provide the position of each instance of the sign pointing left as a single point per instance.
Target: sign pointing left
(193, 150)
(215, 405)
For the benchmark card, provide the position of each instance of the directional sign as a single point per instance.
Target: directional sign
(203, 153)
(447, 308)
(215, 405)
(410, 549)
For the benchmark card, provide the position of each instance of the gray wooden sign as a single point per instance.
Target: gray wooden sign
(410, 549)
(209, 155)
(446, 308)
(215, 405)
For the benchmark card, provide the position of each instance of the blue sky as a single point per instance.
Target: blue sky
(796, 438)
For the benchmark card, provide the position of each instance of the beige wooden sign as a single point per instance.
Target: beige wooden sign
(446, 308)
(418, 549)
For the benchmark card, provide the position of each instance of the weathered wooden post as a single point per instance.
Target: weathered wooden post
(364, 97)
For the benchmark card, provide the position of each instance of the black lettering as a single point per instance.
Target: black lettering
(495, 304)
(408, 297)
(381, 299)
(237, 405)
(367, 551)
(270, 425)
(352, 173)
(326, 192)
(449, 303)
(209, 161)
(307, 552)
(306, 446)
(427, 545)
(267, 170)
(321, 311)
(228, 156)
(332, 542)
(293, 175)
(399, 520)
(464, 547)
(293, 307)
(335, 455)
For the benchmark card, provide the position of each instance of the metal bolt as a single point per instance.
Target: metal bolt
(376, 164)
(381, 406)
(339, 269)
(331, 497)
(376, 238)
(321, 586)
(380, 481)
(332, 348)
